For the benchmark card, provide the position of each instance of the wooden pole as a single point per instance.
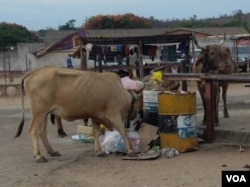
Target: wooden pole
(210, 113)
(140, 60)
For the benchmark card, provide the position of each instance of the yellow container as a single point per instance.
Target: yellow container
(177, 120)
(176, 103)
(157, 76)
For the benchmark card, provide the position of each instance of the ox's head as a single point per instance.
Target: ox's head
(214, 58)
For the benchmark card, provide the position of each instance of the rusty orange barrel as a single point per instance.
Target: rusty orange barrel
(177, 120)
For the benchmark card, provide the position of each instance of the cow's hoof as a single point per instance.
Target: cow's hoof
(55, 154)
(101, 154)
(41, 160)
(226, 115)
(131, 154)
(61, 133)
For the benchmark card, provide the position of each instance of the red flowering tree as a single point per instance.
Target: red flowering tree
(125, 21)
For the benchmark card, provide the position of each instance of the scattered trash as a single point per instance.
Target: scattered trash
(154, 149)
(151, 154)
(144, 156)
(82, 138)
(241, 148)
(112, 141)
(147, 134)
(169, 152)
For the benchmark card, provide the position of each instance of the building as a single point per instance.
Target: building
(58, 44)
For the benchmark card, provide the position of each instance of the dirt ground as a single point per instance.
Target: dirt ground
(78, 166)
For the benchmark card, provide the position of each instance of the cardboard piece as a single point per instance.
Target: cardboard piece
(85, 130)
(147, 133)
(143, 156)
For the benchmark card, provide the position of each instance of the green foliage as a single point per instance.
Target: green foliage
(70, 25)
(126, 21)
(11, 34)
(194, 24)
(237, 19)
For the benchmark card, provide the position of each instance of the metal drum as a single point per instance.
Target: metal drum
(177, 120)
(150, 107)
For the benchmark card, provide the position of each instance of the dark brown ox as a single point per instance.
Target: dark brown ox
(214, 59)
(73, 94)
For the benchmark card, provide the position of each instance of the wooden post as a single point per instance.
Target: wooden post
(184, 70)
(210, 113)
(140, 60)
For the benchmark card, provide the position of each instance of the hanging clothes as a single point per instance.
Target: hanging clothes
(152, 52)
(144, 49)
(126, 50)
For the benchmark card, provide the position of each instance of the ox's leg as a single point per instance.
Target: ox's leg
(216, 102)
(224, 98)
(96, 129)
(36, 124)
(204, 110)
(60, 130)
(201, 88)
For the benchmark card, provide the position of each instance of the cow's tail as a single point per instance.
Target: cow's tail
(20, 127)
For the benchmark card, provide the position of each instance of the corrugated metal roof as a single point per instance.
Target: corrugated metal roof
(153, 39)
(215, 31)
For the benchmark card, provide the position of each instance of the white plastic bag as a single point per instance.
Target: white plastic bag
(112, 141)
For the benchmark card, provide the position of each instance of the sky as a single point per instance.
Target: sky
(44, 14)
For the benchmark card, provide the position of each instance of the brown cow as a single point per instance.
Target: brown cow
(214, 59)
(128, 86)
(74, 94)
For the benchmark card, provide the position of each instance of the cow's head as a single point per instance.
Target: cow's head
(213, 58)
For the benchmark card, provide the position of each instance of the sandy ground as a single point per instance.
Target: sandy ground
(78, 166)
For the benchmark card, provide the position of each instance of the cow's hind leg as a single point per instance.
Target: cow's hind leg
(44, 138)
(37, 123)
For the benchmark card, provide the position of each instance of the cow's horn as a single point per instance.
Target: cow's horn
(196, 42)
